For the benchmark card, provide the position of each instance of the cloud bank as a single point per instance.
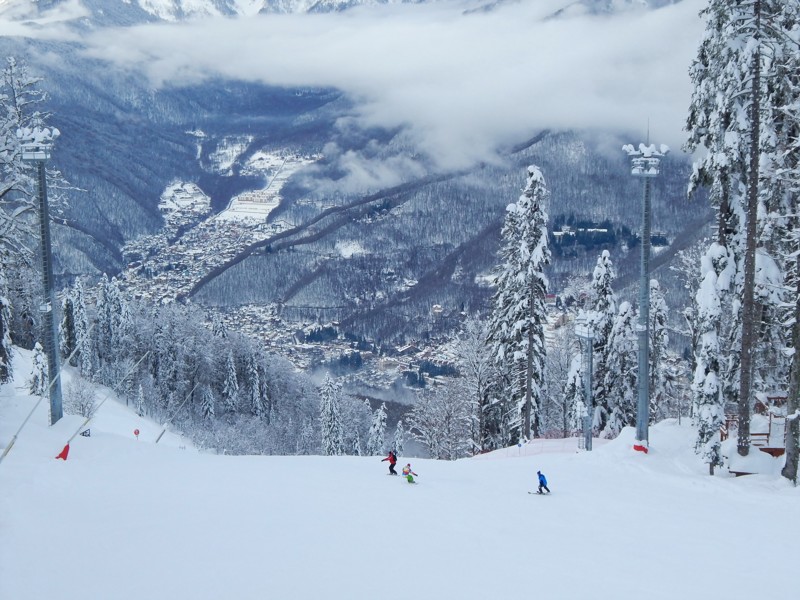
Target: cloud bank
(28, 19)
(463, 83)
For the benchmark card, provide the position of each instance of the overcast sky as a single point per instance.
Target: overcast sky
(462, 83)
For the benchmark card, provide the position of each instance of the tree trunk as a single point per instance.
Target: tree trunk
(723, 222)
(748, 291)
(529, 382)
(480, 425)
(793, 403)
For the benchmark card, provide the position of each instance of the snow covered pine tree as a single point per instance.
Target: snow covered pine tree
(744, 77)
(518, 316)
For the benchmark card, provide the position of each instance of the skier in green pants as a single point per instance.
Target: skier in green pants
(409, 474)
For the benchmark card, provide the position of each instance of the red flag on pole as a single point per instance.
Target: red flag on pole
(64, 453)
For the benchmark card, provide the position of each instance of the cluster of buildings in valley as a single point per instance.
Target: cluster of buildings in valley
(166, 265)
(183, 203)
(162, 270)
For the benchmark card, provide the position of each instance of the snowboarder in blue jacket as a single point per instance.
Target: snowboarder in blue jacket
(542, 482)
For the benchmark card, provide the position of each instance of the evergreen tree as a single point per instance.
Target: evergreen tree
(117, 324)
(66, 329)
(257, 406)
(399, 442)
(600, 319)
(574, 396)
(20, 97)
(6, 371)
(207, 410)
(306, 441)
(790, 467)
(218, 326)
(330, 418)
(517, 320)
(103, 322)
(22, 291)
(83, 338)
(266, 402)
(790, 173)
(743, 79)
(659, 340)
(113, 330)
(230, 385)
(376, 431)
(711, 124)
(706, 392)
(621, 376)
(141, 405)
(39, 381)
(778, 196)
(356, 449)
(124, 326)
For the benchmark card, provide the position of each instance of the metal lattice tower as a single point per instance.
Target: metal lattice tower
(585, 332)
(36, 145)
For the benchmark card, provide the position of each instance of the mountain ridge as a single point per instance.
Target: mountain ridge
(126, 141)
(131, 12)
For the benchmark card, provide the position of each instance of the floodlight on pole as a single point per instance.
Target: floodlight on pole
(36, 143)
(645, 163)
(585, 332)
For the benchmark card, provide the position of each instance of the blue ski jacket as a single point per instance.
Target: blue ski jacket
(542, 479)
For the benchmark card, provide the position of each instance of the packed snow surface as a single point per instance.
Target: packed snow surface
(123, 519)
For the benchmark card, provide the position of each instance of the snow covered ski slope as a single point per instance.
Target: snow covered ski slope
(125, 519)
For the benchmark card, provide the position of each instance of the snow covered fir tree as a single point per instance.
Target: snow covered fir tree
(743, 113)
(517, 320)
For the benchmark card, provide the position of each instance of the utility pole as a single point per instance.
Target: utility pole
(36, 144)
(645, 164)
(585, 333)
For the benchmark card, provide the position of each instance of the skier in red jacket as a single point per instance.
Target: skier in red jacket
(392, 458)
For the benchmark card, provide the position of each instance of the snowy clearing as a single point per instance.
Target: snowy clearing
(256, 205)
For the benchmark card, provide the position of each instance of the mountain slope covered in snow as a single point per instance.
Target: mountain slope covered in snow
(124, 518)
